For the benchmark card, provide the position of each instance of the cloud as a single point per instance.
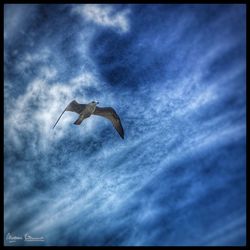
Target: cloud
(48, 73)
(105, 15)
(30, 60)
(38, 108)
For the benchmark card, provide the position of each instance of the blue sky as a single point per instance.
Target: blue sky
(175, 74)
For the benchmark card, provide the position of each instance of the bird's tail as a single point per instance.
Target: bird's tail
(79, 120)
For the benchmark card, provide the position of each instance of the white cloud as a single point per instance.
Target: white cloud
(105, 15)
(29, 59)
(48, 72)
(86, 78)
(38, 108)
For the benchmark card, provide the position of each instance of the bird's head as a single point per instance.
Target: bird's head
(94, 102)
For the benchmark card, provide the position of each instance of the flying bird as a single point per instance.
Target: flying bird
(86, 110)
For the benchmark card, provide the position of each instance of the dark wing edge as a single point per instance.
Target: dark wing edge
(73, 107)
(59, 118)
(110, 114)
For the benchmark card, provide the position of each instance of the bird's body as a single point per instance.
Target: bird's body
(86, 110)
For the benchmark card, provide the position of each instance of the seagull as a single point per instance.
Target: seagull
(86, 110)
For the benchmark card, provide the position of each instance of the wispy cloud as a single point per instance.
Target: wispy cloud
(105, 15)
(37, 110)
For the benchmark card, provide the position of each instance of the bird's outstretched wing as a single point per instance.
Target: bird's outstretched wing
(73, 107)
(110, 114)
(76, 107)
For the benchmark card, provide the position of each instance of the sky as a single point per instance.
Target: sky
(176, 76)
